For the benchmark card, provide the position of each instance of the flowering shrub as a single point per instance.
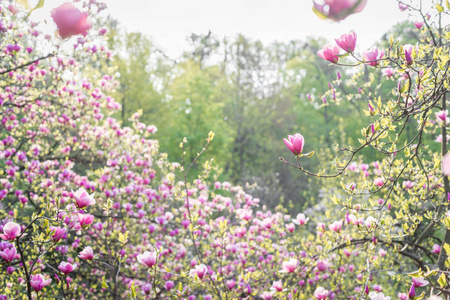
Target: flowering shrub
(93, 210)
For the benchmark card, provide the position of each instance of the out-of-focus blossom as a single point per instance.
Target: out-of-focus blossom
(70, 20)
(10, 231)
(330, 53)
(338, 10)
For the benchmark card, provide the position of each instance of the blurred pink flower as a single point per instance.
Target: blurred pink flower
(70, 20)
(10, 231)
(82, 198)
(66, 267)
(338, 10)
(87, 253)
(147, 258)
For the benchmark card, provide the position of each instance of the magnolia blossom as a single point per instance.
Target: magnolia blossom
(8, 254)
(10, 231)
(347, 42)
(321, 293)
(267, 295)
(419, 281)
(338, 10)
(388, 72)
(38, 282)
(442, 117)
(277, 286)
(83, 199)
(70, 20)
(371, 57)
(330, 53)
(436, 249)
(300, 220)
(418, 24)
(336, 226)
(446, 164)
(85, 219)
(87, 253)
(295, 143)
(147, 258)
(379, 181)
(66, 267)
(378, 296)
(200, 271)
(289, 266)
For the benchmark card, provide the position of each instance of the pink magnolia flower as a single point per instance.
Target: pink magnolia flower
(266, 295)
(230, 284)
(402, 6)
(320, 293)
(58, 234)
(408, 52)
(169, 285)
(70, 20)
(378, 296)
(147, 258)
(336, 226)
(347, 42)
(338, 10)
(418, 24)
(402, 296)
(371, 57)
(446, 164)
(83, 199)
(295, 143)
(436, 249)
(442, 117)
(277, 286)
(290, 227)
(289, 266)
(85, 219)
(379, 181)
(388, 72)
(66, 267)
(408, 184)
(200, 271)
(330, 53)
(8, 254)
(10, 231)
(87, 253)
(419, 281)
(38, 282)
(301, 220)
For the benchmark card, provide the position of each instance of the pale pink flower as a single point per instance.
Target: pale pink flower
(379, 181)
(419, 281)
(10, 231)
(321, 293)
(329, 53)
(85, 219)
(38, 282)
(277, 286)
(371, 57)
(147, 258)
(436, 249)
(289, 266)
(70, 20)
(82, 198)
(418, 24)
(338, 10)
(378, 296)
(445, 165)
(442, 117)
(347, 42)
(199, 270)
(301, 219)
(335, 226)
(87, 253)
(66, 267)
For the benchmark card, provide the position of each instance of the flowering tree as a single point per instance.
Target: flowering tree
(93, 210)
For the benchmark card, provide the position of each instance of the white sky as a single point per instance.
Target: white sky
(169, 22)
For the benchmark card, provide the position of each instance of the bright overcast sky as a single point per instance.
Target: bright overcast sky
(169, 22)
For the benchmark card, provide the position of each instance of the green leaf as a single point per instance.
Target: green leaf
(104, 285)
(442, 280)
(415, 274)
(310, 154)
(439, 7)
